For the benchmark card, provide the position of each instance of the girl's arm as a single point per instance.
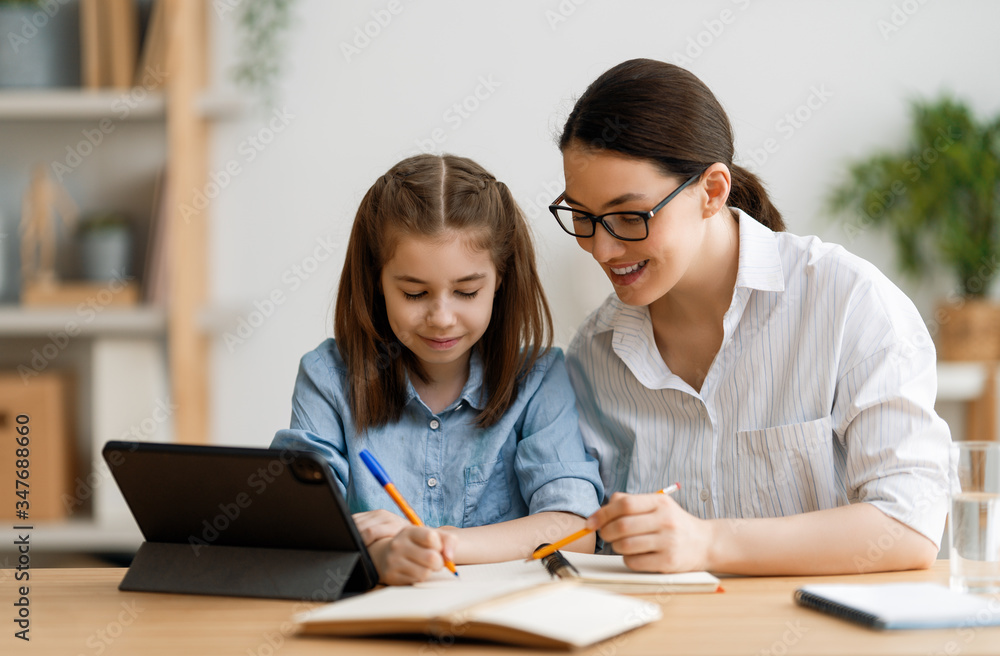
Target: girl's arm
(655, 534)
(518, 538)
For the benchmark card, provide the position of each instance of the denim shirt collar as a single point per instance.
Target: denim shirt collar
(473, 393)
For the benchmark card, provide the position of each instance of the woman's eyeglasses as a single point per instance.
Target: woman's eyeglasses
(626, 226)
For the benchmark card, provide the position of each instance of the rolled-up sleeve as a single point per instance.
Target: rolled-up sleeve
(896, 445)
(318, 414)
(554, 471)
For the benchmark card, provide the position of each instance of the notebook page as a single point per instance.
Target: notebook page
(409, 602)
(573, 614)
(597, 567)
(511, 570)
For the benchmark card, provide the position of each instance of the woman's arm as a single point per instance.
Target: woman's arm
(655, 534)
(518, 538)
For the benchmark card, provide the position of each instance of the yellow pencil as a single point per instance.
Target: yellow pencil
(555, 546)
(390, 488)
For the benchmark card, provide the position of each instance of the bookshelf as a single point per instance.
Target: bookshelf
(140, 372)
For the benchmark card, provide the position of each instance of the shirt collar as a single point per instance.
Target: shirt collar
(473, 393)
(760, 261)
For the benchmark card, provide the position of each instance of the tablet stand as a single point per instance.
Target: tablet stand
(243, 571)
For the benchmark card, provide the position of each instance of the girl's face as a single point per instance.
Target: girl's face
(598, 182)
(439, 298)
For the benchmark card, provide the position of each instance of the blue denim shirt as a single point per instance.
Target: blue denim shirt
(451, 471)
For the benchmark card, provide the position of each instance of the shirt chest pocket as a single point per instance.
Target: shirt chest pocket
(487, 494)
(786, 470)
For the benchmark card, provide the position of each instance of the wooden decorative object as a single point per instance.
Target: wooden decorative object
(969, 330)
(45, 203)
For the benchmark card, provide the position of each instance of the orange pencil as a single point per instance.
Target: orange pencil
(376, 469)
(555, 546)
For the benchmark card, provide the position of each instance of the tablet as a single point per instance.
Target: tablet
(238, 521)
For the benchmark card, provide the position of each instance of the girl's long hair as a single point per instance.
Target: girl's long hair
(431, 196)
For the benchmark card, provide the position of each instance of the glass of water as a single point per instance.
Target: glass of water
(974, 523)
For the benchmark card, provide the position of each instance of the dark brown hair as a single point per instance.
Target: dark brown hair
(662, 113)
(430, 196)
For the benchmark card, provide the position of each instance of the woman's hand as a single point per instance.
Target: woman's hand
(654, 533)
(412, 554)
(378, 524)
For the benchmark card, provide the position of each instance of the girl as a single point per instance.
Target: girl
(787, 384)
(441, 368)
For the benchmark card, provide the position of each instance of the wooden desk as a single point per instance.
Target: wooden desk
(81, 611)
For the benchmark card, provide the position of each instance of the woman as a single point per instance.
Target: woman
(785, 383)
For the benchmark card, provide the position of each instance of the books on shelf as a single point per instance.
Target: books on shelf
(109, 41)
(518, 612)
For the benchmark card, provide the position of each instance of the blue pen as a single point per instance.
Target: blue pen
(383, 478)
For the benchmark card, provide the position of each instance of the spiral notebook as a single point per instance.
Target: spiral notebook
(901, 605)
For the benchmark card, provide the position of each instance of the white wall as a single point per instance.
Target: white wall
(351, 120)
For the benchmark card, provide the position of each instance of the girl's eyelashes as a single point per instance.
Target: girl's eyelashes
(419, 295)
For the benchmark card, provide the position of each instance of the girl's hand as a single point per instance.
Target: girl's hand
(378, 524)
(654, 533)
(413, 554)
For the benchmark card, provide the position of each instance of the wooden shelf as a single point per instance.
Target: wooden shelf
(18, 321)
(960, 381)
(118, 105)
(72, 103)
(80, 535)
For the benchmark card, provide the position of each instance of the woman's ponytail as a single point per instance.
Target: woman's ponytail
(748, 194)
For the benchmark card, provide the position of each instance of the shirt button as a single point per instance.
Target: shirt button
(435, 424)
(432, 482)
(458, 407)
(704, 495)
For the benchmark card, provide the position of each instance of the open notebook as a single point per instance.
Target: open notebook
(518, 612)
(606, 572)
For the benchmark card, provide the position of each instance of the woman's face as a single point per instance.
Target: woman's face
(598, 182)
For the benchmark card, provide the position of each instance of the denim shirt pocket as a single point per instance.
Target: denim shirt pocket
(786, 470)
(487, 494)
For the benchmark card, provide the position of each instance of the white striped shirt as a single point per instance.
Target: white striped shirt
(822, 394)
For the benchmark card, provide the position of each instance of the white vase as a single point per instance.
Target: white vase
(105, 254)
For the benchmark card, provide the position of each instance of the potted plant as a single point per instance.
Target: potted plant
(939, 198)
(41, 44)
(105, 246)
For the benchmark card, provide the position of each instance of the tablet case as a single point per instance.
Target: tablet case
(238, 522)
